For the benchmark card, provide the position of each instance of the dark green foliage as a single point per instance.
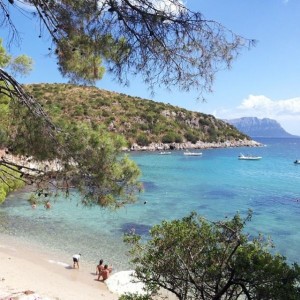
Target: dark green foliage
(106, 177)
(178, 138)
(10, 181)
(168, 138)
(105, 113)
(28, 135)
(212, 134)
(77, 60)
(197, 259)
(142, 140)
(3, 138)
(191, 137)
(204, 121)
(172, 137)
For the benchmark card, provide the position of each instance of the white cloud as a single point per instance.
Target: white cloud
(286, 112)
(266, 106)
(168, 6)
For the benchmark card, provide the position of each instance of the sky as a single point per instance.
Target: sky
(263, 82)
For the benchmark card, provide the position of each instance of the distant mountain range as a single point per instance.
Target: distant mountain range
(255, 127)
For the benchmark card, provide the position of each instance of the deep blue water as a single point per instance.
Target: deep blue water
(215, 185)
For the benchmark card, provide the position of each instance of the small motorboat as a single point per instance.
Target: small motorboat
(249, 157)
(297, 161)
(165, 153)
(188, 153)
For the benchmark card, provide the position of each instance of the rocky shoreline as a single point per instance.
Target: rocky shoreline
(198, 145)
(55, 165)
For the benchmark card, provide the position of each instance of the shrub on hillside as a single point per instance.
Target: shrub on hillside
(190, 137)
(142, 140)
(171, 137)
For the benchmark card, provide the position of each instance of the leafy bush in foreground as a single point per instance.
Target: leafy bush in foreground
(131, 296)
(197, 259)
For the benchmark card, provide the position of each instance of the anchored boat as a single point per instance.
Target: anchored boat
(249, 157)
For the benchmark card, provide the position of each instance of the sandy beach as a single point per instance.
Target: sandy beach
(26, 273)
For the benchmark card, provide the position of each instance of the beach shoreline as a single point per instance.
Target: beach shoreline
(28, 273)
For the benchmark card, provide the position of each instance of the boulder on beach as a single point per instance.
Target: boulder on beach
(125, 282)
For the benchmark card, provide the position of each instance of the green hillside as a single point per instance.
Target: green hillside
(139, 120)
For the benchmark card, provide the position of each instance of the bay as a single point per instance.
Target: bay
(215, 185)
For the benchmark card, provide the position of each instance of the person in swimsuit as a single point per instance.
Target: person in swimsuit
(47, 205)
(99, 268)
(105, 273)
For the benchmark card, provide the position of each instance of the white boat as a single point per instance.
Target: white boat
(249, 157)
(165, 153)
(188, 153)
(297, 161)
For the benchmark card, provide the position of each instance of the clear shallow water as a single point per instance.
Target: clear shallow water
(215, 185)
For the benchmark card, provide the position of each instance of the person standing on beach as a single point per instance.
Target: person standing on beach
(76, 258)
(99, 268)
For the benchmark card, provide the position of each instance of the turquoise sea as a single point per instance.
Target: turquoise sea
(215, 185)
